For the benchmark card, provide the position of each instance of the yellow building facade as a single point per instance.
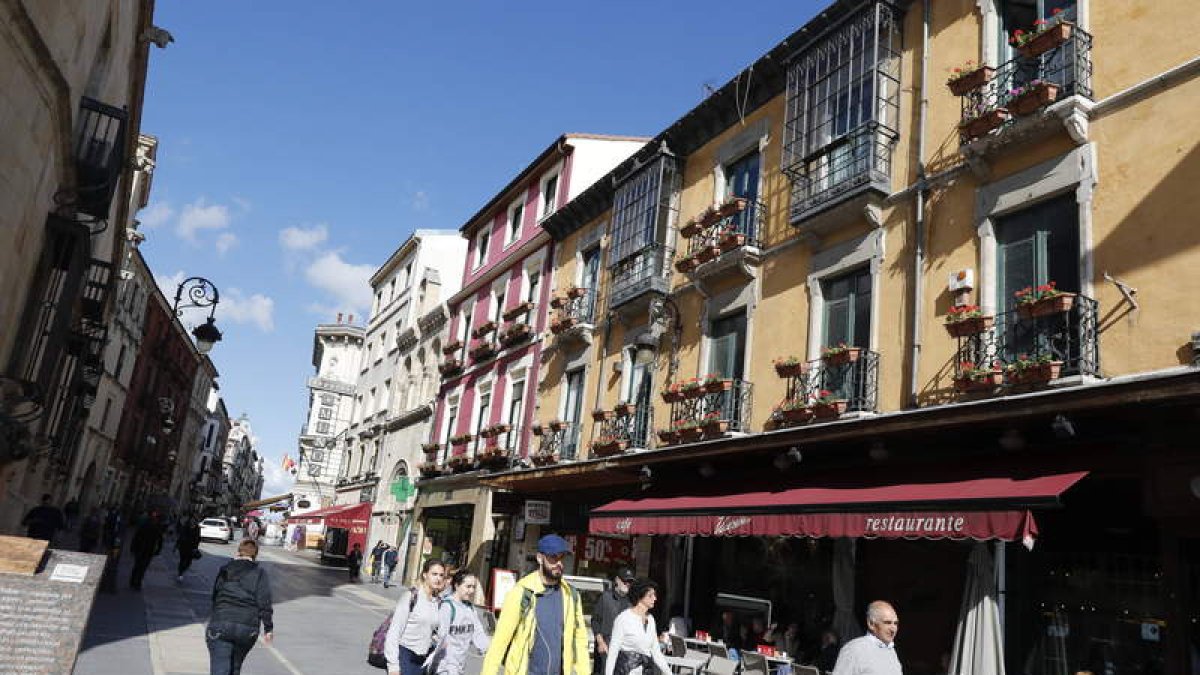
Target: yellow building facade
(882, 278)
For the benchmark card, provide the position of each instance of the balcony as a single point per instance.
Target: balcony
(1007, 107)
(640, 277)
(99, 155)
(709, 409)
(514, 333)
(482, 350)
(625, 428)
(844, 380)
(574, 316)
(1029, 347)
(723, 243)
(560, 442)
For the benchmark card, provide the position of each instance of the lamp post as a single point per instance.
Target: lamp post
(200, 293)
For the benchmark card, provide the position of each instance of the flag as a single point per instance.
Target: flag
(288, 464)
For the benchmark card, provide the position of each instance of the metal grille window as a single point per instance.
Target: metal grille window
(642, 213)
(842, 110)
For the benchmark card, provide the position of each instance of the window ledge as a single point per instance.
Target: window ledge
(853, 206)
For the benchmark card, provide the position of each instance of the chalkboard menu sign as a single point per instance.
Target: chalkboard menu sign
(43, 614)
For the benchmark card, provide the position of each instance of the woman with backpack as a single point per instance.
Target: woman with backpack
(459, 627)
(410, 635)
(241, 600)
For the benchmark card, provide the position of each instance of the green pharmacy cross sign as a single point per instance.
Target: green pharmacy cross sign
(403, 489)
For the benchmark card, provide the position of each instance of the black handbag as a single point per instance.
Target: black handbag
(627, 662)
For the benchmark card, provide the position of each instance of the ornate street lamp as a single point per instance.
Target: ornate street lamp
(200, 293)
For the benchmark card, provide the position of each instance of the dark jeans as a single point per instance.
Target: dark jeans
(185, 561)
(353, 572)
(411, 663)
(140, 563)
(228, 644)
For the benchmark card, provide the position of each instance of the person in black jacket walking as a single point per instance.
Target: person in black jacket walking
(187, 543)
(241, 600)
(146, 544)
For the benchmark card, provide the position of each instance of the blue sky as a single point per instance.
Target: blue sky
(301, 142)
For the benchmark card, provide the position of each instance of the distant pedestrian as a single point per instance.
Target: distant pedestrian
(410, 635)
(874, 652)
(377, 559)
(459, 628)
(43, 521)
(241, 600)
(634, 648)
(541, 629)
(354, 562)
(147, 542)
(71, 512)
(391, 557)
(188, 544)
(611, 603)
(252, 530)
(90, 530)
(114, 524)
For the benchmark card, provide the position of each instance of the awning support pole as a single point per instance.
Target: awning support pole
(1001, 583)
(687, 580)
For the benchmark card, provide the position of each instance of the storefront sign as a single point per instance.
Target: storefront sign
(537, 512)
(604, 550)
(503, 581)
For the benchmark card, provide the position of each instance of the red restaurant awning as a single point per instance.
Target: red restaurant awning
(980, 508)
(344, 516)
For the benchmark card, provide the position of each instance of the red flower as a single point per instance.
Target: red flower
(1056, 11)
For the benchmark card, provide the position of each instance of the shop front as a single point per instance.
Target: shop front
(452, 522)
(335, 530)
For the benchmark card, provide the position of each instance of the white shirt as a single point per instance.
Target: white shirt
(458, 629)
(631, 634)
(414, 630)
(868, 655)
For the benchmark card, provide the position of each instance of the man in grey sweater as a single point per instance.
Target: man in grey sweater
(874, 652)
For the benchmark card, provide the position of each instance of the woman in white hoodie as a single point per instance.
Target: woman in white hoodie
(410, 635)
(459, 628)
(634, 644)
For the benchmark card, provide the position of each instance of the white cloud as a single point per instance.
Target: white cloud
(226, 241)
(199, 216)
(276, 481)
(420, 201)
(349, 284)
(155, 215)
(301, 239)
(235, 306)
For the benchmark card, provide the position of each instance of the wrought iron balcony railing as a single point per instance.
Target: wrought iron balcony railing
(560, 442)
(729, 233)
(99, 155)
(1020, 342)
(625, 428)
(710, 411)
(573, 311)
(861, 157)
(646, 271)
(851, 375)
(1067, 67)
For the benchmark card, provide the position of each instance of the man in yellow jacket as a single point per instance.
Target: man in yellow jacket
(541, 629)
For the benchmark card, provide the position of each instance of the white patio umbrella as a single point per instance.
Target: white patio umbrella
(979, 643)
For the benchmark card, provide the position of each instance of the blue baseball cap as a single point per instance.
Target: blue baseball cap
(552, 544)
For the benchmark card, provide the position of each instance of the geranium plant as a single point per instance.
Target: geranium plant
(969, 370)
(1025, 362)
(1020, 38)
(963, 313)
(1032, 294)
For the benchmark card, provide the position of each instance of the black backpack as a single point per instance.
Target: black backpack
(375, 655)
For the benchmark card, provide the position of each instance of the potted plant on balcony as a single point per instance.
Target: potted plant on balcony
(556, 425)
(840, 354)
(693, 387)
(972, 378)
(452, 346)
(602, 415)
(608, 445)
(714, 383)
(730, 239)
(1046, 35)
(689, 430)
(668, 436)
(686, 264)
(517, 310)
(1027, 369)
(449, 366)
(1043, 300)
(827, 405)
(965, 320)
(576, 292)
(731, 206)
(709, 251)
(982, 118)
(544, 458)
(1031, 97)
(559, 300)
(794, 410)
(690, 229)
(624, 409)
(431, 448)
(460, 440)
(561, 323)
(673, 393)
(430, 470)
(790, 366)
(537, 429)
(514, 333)
(715, 424)
(482, 350)
(460, 462)
(483, 329)
(487, 432)
(493, 457)
(968, 77)
(707, 217)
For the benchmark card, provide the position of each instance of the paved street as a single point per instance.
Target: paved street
(322, 623)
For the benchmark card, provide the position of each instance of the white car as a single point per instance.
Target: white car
(215, 528)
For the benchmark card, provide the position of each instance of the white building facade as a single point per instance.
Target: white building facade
(242, 467)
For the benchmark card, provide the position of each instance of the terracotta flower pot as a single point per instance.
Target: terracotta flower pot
(718, 386)
(716, 427)
(729, 208)
(694, 392)
(843, 357)
(985, 123)
(1038, 374)
(1058, 304)
(671, 396)
(967, 327)
(668, 436)
(603, 415)
(690, 229)
(1047, 40)
(608, 449)
(797, 414)
(967, 82)
(624, 409)
(1033, 100)
(451, 347)
(691, 434)
(985, 383)
(829, 410)
(576, 292)
(707, 254)
(791, 369)
(732, 241)
(685, 264)
(517, 310)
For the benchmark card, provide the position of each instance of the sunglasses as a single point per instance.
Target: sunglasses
(554, 559)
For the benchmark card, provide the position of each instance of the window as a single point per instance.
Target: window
(325, 413)
(391, 289)
(451, 420)
(406, 277)
(532, 295)
(727, 349)
(322, 427)
(842, 110)
(383, 344)
(120, 363)
(466, 325)
(589, 278)
(848, 309)
(572, 413)
(549, 195)
(104, 415)
(485, 413)
(402, 315)
(481, 248)
(741, 180)
(642, 210)
(516, 213)
(516, 404)
(328, 399)
(499, 307)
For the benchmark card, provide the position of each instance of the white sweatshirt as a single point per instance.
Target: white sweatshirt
(411, 630)
(631, 634)
(458, 629)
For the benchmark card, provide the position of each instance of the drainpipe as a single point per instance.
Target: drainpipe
(918, 289)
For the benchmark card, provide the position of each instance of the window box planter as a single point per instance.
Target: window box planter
(828, 410)
(561, 324)
(556, 425)
(690, 229)
(672, 396)
(558, 301)
(1040, 373)
(483, 351)
(603, 415)
(978, 382)
(841, 355)
(501, 428)
(451, 347)
(460, 440)
(970, 81)
(624, 409)
(685, 264)
(483, 329)
(515, 333)
(791, 367)
(731, 207)
(429, 470)
(717, 386)
(488, 432)
(1056, 304)
(985, 123)
(1033, 99)
(431, 448)
(797, 415)
(707, 253)
(544, 459)
(715, 427)
(972, 326)
(690, 434)
(517, 310)
(608, 447)
(731, 241)
(460, 463)
(668, 436)
(450, 367)
(1046, 40)
(576, 292)
(695, 390)
(494, 458)
(537, 430)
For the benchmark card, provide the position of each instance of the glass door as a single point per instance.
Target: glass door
(741, 180)
(589, 279)
(727, 359)
(572, 413)
(847, 322)
(637, 391)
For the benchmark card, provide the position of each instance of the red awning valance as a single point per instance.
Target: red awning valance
(344, 516)
(980, 508)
